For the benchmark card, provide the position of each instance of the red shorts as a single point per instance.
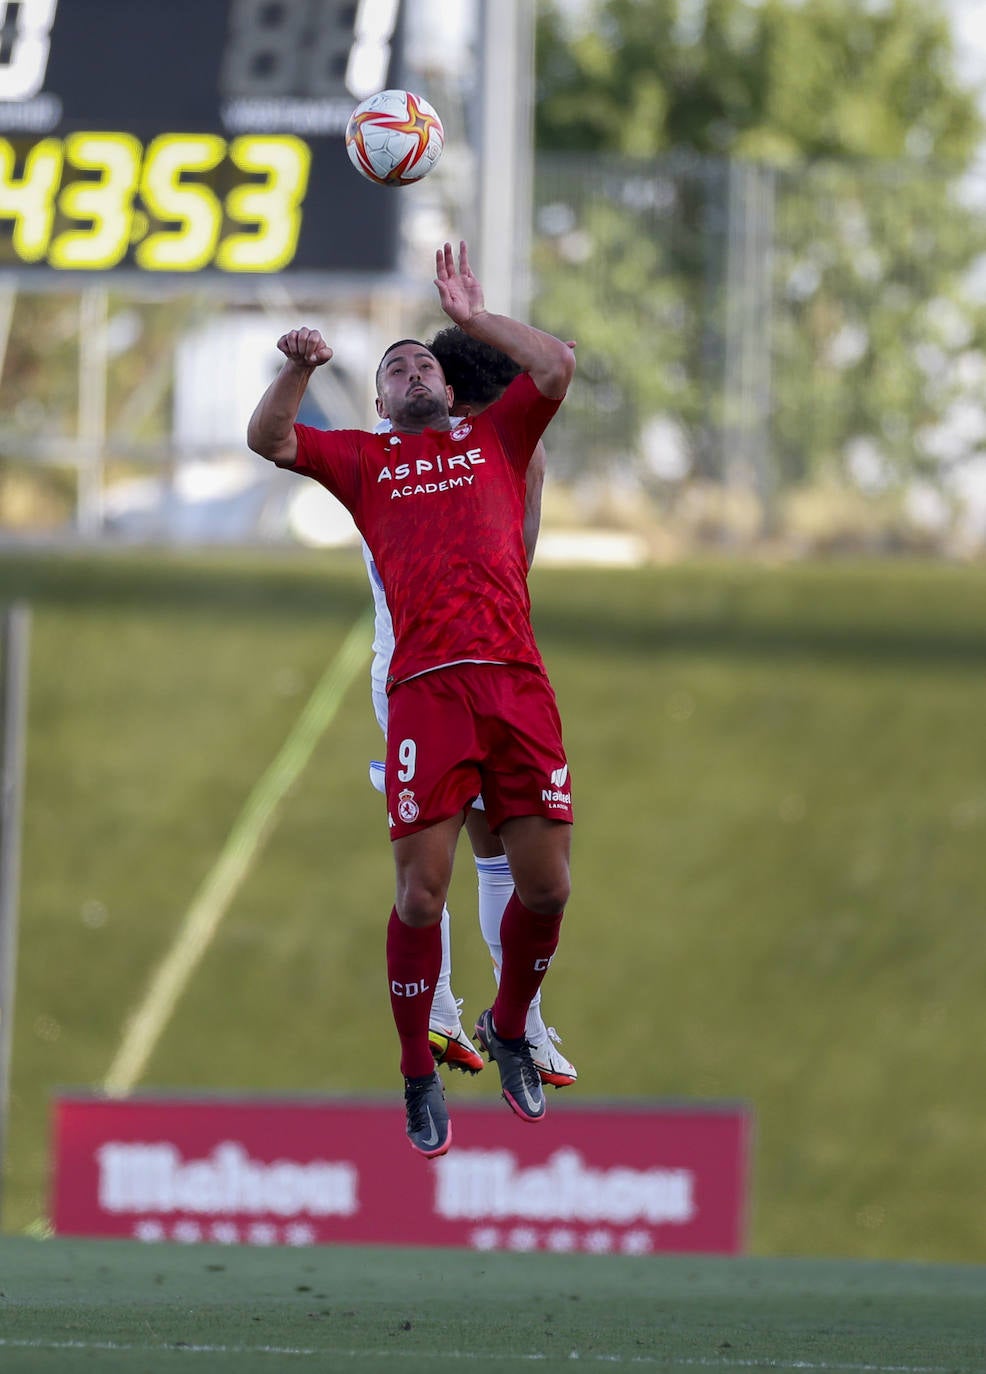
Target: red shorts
(470, 729)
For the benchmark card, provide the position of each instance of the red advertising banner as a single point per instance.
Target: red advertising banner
(604, 1179)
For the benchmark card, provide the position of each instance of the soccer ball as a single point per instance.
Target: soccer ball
(394, 138)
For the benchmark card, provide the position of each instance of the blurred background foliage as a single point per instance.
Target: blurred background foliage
(774, 82)
(764, 226)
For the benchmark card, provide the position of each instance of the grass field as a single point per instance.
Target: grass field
(133, 1309)
(780, 783)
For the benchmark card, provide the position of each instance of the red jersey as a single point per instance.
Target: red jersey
(442, 513)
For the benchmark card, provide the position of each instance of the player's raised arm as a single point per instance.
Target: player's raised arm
(550, 362)
(271, 429)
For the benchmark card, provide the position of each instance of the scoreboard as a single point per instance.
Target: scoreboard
(191, 136)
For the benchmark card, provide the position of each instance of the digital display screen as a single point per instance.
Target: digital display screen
(191, 135)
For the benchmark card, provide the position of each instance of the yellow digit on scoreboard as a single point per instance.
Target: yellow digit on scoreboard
(274, 205)
(107, 203)
(192, 205)
(29, 200)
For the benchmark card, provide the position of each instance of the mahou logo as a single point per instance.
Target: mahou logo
(490, 1184)
(636, 1180)
(139, 1177)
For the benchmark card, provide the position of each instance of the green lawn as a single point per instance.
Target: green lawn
(128, 1308)
(780, 783)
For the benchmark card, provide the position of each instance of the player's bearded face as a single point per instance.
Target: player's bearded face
(412, 388)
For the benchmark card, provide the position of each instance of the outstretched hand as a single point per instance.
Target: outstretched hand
(460, 293)
(305, 347)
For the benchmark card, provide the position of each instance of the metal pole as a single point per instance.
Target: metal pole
(93, 363)
(8, 299)
(746, 459)
(14, 646)
(506, 155)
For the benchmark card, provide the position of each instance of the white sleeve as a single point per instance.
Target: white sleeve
(383, 641)
(383, 625)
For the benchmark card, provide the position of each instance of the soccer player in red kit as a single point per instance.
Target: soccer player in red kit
(470, 707)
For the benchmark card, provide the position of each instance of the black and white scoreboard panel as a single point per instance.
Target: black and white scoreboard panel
(191, 136)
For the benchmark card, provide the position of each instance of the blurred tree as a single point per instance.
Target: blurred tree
(782, 80)
(855, 262)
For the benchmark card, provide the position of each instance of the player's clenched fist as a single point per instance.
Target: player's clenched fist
(306, 347)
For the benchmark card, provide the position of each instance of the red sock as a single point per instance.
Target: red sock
(528, 940)
(414, 961)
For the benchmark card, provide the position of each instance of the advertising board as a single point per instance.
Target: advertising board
(600, 1179)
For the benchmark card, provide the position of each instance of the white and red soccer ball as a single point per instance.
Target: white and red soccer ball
(394, 138)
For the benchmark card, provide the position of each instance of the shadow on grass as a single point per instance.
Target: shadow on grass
(875, 619)
(251, 586)
(916, 645)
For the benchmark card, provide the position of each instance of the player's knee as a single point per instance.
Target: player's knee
(420, 903)
(546, 896)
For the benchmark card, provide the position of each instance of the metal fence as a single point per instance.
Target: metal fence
(784, 336)
(764, 354)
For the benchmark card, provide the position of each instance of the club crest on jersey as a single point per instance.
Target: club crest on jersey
(462, 431)
(407, 807)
